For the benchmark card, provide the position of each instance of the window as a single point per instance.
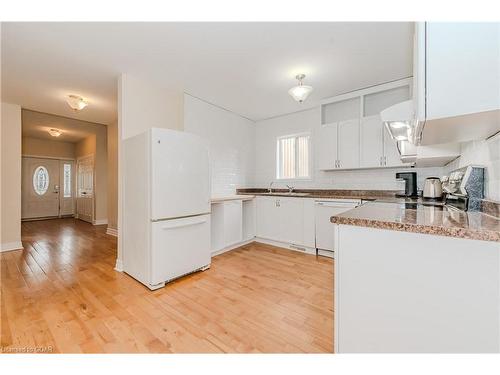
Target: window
(67, 180)
(293, 157)
(41, 180)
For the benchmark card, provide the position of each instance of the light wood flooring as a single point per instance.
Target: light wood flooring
(61, 294)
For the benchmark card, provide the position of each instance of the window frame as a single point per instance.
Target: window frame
(309, 156)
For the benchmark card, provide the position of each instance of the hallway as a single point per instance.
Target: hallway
(61, 294)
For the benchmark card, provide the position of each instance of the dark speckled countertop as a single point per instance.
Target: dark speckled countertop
(419, 218)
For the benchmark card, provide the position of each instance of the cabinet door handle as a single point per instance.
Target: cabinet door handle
(385, 160)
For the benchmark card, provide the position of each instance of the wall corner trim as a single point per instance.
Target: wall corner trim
(119, 265)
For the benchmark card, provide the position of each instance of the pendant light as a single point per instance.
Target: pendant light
(301, 91)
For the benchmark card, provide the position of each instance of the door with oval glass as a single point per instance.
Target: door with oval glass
(40, 188)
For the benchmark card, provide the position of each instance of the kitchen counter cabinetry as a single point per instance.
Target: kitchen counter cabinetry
(403, 292)
(232, 222)
(286, 220)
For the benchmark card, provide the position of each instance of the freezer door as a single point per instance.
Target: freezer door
(179, 247)
(180, 181)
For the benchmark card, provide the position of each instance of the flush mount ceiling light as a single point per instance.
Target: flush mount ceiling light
(300, 92)
(76, 102)
(55, 132)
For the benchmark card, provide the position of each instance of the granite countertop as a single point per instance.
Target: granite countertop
(419, 218)
(322, 194)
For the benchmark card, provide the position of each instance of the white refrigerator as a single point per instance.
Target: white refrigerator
(166, 206)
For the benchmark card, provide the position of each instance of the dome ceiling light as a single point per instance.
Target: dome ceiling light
(55, 132)
(301, 91)
(76, 102)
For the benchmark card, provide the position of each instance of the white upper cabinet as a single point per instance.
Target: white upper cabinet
(326, 143)
(352, 135)
(457, 80)
(463, 68)
(348, 144)
(371, 142)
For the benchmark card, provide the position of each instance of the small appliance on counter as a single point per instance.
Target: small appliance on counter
(464, 188)
(410, 179)
(432, 188)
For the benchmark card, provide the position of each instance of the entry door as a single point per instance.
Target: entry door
(85, 188)
(40, 188)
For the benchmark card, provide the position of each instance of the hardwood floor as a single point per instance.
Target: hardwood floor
(61, 294)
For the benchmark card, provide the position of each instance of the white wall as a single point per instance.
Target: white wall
(10, 238)
(309, 121)
(232, 144)
(141, 106)
(484, 153)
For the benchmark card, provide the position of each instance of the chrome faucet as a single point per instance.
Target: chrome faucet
(290, 188)
(271, 186)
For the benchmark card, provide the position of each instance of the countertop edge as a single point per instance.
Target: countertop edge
(471, 234)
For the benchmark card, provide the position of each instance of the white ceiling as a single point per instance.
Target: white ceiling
(38, 124)
(244, 67)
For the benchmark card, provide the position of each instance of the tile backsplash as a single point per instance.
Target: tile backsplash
(484, 153)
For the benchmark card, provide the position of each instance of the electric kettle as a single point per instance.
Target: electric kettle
(433, 188)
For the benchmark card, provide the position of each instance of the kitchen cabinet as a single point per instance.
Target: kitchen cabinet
(284, 219)
(233, 223)
(326, 144)
(378, 149)
(267, 217)
(348, 144)
(462, 62)
(338, 145)
(372, 142)
(456, 80)
(352, 135)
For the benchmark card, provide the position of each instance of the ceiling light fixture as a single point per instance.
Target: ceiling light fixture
(300, 92)
(55, 132)
(76, 102)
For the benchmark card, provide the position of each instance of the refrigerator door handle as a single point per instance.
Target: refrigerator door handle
(174, 225)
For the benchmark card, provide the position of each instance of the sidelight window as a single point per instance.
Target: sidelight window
(67, 180)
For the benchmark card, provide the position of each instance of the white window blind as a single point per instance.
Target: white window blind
(293, 154)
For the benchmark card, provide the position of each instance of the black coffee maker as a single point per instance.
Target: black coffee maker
(410, 179)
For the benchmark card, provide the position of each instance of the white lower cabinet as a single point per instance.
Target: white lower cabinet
(229, 224)
(288, 220)
(233, 223)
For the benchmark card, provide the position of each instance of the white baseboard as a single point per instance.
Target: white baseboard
(287, 245)
(119, 265)
(232, 247)
(100, 222)
(112, 232)
(9, 246)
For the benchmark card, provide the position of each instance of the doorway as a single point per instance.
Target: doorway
(47, 188)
